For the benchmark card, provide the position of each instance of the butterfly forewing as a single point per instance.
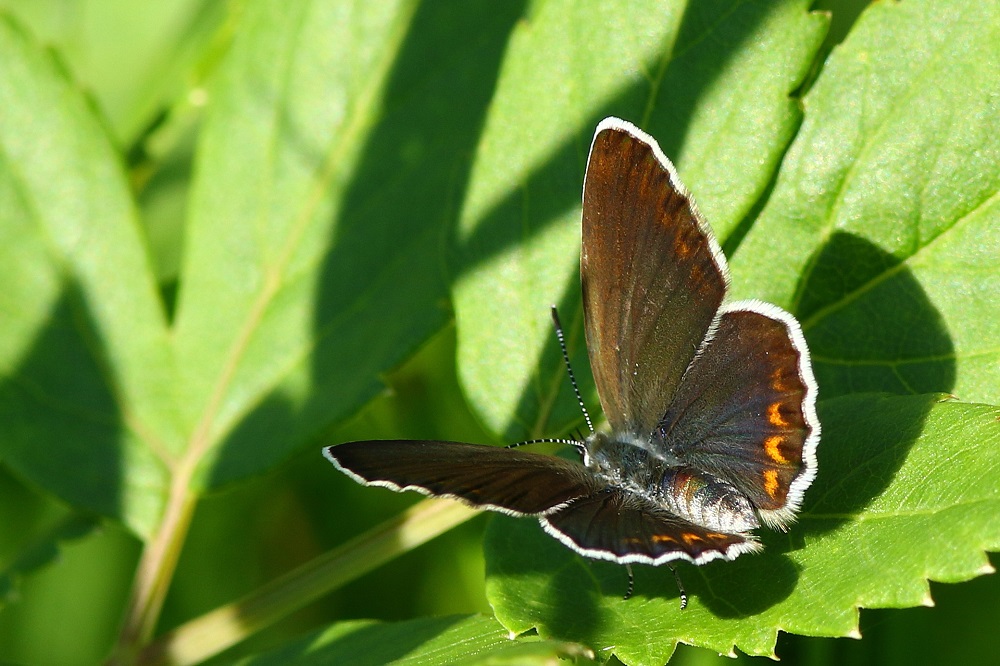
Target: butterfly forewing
(653, 276)
(489, 477)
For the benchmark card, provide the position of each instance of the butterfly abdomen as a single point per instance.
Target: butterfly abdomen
(705, 500)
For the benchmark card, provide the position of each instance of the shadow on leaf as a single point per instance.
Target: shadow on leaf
(871, 330)
(60, 425)
(870, 325)
(419, 151)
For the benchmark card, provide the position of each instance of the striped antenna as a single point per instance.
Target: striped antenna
(550, 440)
(569, 368)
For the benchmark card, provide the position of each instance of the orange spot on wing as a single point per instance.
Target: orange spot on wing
(772, 446)
(774, 415)
(690, 537)
(663, 538)
(778, 381)
(771, 482)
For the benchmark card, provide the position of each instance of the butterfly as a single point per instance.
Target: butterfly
(710, 405)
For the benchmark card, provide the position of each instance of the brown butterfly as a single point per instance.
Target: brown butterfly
(711, 406)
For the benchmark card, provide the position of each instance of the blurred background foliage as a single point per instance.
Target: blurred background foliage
(138, 61)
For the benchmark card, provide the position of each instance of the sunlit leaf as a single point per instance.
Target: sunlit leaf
(87, 406)
(908, 490)
(711, 81)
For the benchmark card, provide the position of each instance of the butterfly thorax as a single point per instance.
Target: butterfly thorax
(654, 474)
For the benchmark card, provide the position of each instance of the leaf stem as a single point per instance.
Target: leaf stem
(153, 575)
(210, 634)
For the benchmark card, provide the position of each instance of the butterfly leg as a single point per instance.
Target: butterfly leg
(631, 583)
(680, 586)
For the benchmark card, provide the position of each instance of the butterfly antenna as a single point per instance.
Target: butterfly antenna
(680, 586)
(546, 440)
(569, 369)
(631, 583)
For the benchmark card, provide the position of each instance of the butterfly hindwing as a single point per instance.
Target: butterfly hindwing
(614, 524)
(745, 413)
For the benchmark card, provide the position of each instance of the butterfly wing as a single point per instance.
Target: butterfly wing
(616, 525)
(653, 276)
(745, 412)
(487, 477)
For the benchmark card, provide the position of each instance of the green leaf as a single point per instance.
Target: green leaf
(143, 68)
(447, 640)
(358, 157)
(882, 235)
(711, 81)
(86, 396)
(887, 208)
(42, 551)
(325, 189)
(908, 490)
(313, 258)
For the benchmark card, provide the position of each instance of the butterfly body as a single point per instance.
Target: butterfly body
(647, 469)
(712, 428)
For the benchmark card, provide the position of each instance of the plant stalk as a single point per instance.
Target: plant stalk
(152, 578)
(210, 634)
